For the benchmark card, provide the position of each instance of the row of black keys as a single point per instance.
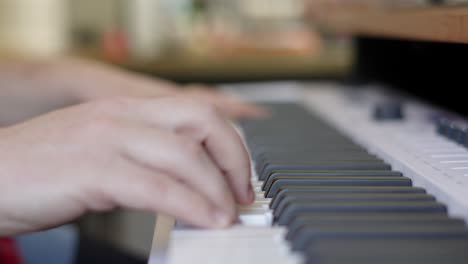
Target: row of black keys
(342, 204)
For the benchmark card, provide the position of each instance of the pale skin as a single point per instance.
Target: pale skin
(28, 89)
(151, 147)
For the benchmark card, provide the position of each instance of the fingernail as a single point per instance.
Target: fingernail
(221, 218)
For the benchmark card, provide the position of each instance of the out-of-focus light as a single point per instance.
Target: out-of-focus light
(33, 28)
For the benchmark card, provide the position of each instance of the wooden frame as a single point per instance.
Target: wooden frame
(445, 24)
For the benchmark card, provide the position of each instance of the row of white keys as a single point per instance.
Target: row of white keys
(406, 145)
(239, 244)
(258, 213)
(440, 153)
(254, 240)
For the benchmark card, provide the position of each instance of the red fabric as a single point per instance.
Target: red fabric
(9, 253)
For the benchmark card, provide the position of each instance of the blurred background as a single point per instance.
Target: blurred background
(214, 41)
(183, 40)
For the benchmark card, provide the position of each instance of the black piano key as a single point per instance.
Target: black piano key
(386, 261)
(297, 140)
(294, 209)
(351, 189)
(336, 181)
(373, 219)
(318, 155)
(314, 173)
(390, 251)
(309, 234)
(336, 216)
(259, 150)
(351, 217)
(334, 166)
(304, 197)
(262, 163)
(315, 153)
(389, 261)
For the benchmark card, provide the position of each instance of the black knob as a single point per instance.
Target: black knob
(387, 111)
(454, 129)
(443, 126)
(460, 132)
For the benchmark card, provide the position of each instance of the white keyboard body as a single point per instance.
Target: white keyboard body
(411, 146)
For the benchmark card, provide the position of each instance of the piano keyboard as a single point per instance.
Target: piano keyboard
(328, 194)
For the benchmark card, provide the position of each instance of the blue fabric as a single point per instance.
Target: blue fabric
(54, 246)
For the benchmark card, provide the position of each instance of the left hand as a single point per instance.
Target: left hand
(95, 81)
(230, 105)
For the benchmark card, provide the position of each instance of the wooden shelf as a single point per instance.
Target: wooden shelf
(332, 62)
(444, 24)
(247, 68)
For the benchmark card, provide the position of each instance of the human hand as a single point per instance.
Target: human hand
(94, 80)
(230, 105)
(171, 155)
(30, 89)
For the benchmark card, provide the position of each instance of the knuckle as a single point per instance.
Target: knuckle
(192, 148)
(182, 150)
(160, 188)
(200, 108)
(102, 124)
(98, 125)
(110, 106)
(144, 194)
(115, 105)
(101, 118)
(207, 117)
(209, 111)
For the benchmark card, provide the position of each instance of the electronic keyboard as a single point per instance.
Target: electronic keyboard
(342, 175)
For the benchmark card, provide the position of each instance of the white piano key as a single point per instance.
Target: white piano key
(252, 210)
(443, 150)
(465, 168)
(254, 220)
(256, 205)
(235, 231)
(263, 199)
(257, 183)
(451, 155)
(239, 243)
(260, 193)
(229, 256)
(453, 161)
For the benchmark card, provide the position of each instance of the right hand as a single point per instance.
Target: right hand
(170, 155)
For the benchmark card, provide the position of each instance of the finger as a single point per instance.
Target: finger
(227, 149)
(238, 109)
(208, 127)
(184, 159)
(144, 189)
(228, 104)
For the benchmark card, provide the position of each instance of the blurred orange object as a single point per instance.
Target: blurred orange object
(115, 46)
(298, 42)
